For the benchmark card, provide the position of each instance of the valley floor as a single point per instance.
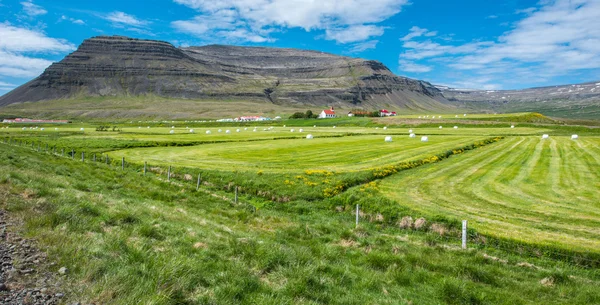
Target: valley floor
(128, 238)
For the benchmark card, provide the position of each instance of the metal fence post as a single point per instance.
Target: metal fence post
(464, 234)
(357, 215)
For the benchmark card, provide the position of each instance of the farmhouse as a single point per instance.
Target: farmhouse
(327, 114)
(251, 118)
(384, 112)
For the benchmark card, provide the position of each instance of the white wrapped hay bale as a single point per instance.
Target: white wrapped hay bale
(424, 139)
(441, 127)
(456, 116)
(192, 131)
(219, 130)
(388, 139)
(227, 131)
(385, 128)
(334, 126)
(455, 127)
(315, 126)
(301, 130)
(208, 132)
(54, 128)
(465, 114)
(412, 135)
(24, 128)
(172, 131)
(292, 130)
(172, 127)
(237, 130)
(512, 126)
(81, 129)
(410, 131)
(245, 128)
(376, 127)
(309, 136)
(574, 137)
(545, 136)
(42, 129)
(148, 127)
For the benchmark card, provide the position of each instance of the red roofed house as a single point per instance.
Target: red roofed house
(327, 114)
(384, 112)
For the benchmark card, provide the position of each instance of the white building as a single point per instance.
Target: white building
(327, 114)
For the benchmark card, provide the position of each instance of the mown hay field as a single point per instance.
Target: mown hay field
(296, 155)
(523, 188)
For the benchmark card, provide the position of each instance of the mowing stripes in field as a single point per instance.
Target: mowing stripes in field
(334, 154)
(525, 188)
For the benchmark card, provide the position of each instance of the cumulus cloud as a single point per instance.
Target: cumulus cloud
(18, 39)
(557, 38)
(343, 21)
(32, 9)
(18, 42)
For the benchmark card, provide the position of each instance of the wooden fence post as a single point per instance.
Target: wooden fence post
(145, 165)
(198, 184)
(123, 163)
(82, 156)
(169, 174)
(72, 154)
(236, 194)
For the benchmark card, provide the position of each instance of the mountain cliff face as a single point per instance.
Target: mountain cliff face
(121, 66)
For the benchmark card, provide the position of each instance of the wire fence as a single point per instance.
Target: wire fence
(474, 239)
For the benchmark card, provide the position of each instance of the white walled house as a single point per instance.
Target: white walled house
(327, 114)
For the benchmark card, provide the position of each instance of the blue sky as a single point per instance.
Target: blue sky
(463, 44)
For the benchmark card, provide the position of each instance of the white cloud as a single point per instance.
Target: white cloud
(363, 46)
(32, 9)
(15, 65)
(17, 39)
(555, 39)
(17, 42)
(72, 20)
(121, 18)
(416, 31)
(353, 33)
(408, 66)
(223, 25)
(344, 21)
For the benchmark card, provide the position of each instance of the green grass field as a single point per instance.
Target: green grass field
(135, 238)
(297, 155)
(132, 239)
(524, 188)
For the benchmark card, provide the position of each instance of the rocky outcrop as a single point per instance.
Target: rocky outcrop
(116, 65)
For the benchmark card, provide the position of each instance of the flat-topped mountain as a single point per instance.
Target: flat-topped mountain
(114, 66)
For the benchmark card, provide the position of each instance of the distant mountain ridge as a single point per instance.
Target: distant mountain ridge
(567, 101)
(120, 66)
